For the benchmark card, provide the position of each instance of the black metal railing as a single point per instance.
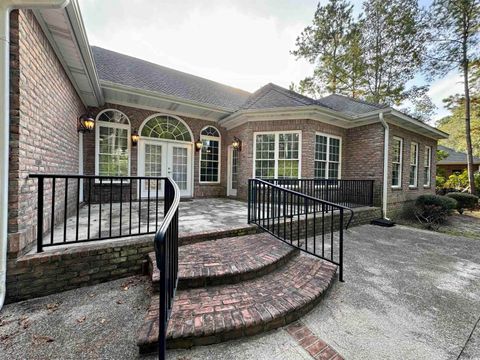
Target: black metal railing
(166, 251)
(80, 208)
(350, 193)
(312, 225)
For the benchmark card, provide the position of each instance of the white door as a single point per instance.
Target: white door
(232, 171)
(161, 159)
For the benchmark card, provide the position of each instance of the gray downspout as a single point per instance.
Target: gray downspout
(386, 140)
(6, 6)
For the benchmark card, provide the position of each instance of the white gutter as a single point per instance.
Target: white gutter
(6, 6)
(386, 140)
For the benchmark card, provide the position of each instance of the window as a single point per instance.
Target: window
(426, 166)
(397, 149)
(210, 155)
(166, 127)
(112, 144)
(413, 165)
(277, 155)
(327, 157)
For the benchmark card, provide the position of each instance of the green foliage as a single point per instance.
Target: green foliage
(372, 57)
(464, 201)
(433, 210)
(460, 182)
(454, 125)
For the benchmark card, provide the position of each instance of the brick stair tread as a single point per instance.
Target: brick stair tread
(209, 315)
(227, 260)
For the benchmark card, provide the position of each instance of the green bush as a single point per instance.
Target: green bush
(433, 210)
(464, 201)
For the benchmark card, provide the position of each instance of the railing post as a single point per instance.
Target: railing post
(340, 240)
(249, 200)
(40, 215)
(371, 192)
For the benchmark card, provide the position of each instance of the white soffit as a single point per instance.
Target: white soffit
(65, 32)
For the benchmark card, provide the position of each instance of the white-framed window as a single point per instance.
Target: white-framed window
(397, 158)
(277, 155)
(210, 155)
(413, 179)
(427, 163)
(328, 156)
(112, 144)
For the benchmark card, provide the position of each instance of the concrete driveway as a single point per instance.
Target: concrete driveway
(409, 294)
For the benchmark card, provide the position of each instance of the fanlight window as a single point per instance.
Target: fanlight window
(113, 116)
(210, 131)
(166, 127)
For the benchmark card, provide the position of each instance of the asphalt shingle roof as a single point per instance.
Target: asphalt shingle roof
(140, 74)
(455, 156)
(272, 96)
(348, 105)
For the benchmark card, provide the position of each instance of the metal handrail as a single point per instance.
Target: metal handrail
(166, 254)
(278, 211)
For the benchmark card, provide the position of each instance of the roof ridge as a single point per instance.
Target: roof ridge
(360, 101)
(171, 69)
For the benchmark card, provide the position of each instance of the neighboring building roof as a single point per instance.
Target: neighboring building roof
(455, 157)
(349, 105)
(133, 72)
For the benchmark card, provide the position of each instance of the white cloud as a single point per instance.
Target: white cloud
(442, 88)
(224, 42)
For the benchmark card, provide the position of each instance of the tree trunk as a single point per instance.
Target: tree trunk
(468, 135)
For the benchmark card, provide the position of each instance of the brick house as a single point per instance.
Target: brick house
(209, 137)
(454, 163)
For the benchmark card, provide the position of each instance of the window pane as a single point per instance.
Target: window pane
(113, 151)
(209, 165)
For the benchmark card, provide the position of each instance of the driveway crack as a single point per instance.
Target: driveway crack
(468, 339)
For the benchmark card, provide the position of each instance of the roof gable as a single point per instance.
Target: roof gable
(349, 105)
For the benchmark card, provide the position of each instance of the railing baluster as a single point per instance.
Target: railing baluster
(78, 209)
(52, 220)
(65, 211)
(121, 208)
(89, 206)
(100, 209)
(111, 204)
(40, 214)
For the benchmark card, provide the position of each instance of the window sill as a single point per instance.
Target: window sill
(209, 183)
(412, 187)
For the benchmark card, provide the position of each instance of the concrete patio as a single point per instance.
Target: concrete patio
(196, 216)
(409, 294)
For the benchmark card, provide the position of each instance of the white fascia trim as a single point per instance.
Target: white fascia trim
(76, 22)
(439, 134)
(156, 95)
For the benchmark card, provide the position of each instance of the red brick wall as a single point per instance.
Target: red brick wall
(398, 197)
(43, 133)
(137, 117)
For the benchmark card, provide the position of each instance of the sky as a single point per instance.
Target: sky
(242, 43)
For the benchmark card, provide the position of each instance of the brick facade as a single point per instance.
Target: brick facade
(137, 117)
(43, 126)
(399, 198)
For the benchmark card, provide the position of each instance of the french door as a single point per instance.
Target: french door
(232, 178)
(161, 158)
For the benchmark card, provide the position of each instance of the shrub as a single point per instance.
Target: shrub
(433, 210)
(464, 201)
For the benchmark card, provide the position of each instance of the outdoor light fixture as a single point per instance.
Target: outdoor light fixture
(135, 137)
(237, 144)
(198, 145)
(85, 123)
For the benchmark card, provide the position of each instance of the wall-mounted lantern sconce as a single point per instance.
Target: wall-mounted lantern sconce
(198, 145)
(135, 137)
(85, 123)
(237, 144)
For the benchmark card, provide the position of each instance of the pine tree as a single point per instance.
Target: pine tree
(454, 43)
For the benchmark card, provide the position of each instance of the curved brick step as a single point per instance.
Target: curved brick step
(211, 315)
(227, 260)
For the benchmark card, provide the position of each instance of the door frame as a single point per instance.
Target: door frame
(141, 161)
(230, 190)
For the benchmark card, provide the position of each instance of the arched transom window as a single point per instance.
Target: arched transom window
(210, 155)
(112, 144)
(166, 127)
